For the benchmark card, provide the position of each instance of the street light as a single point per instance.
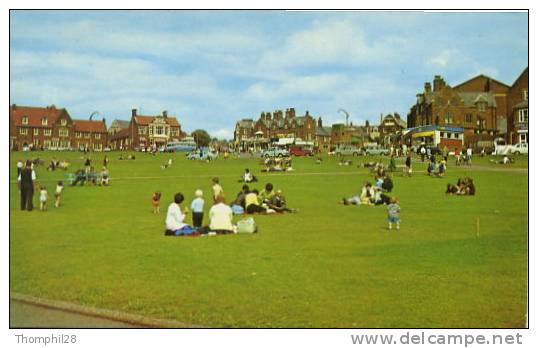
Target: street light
(91, 128)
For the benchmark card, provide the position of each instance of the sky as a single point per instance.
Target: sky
(212, 68)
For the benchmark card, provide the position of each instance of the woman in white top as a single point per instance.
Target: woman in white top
(220, 217)
(175, 217)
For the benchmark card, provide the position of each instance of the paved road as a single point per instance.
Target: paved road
(24, 315)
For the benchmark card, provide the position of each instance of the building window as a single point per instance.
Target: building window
(141, 130)
(481, 106)
(448, 119)
(469, 118)
(159, 130)
(481, 123)
(24, 120)
(524, 115)
(46, 144)
(97, 135)
(23, 131)
(86, 135)
(44, 121)
(78, 134)
(63, 132)
(36, 131)
(47, 132)
(63, 122)
(523, 137)
(525, 94)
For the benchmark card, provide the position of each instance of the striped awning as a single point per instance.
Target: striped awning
(423, 134)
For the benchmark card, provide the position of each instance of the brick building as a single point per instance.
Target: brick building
(278, 124)
(390, 128)
(481, 105)
(146, 131)
(117, 125)
(53, 128)
(342, 134)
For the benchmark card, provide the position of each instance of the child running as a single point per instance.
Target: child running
(58, 193)
(393, 210)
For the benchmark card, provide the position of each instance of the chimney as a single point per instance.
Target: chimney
(320, 123)
(397, 115)
(14, 106)
(133, 112)
(438, 83)
(307, 114)
(292, 112)
(165, 114)
(367, 124)
(427, 87)
(381, 118)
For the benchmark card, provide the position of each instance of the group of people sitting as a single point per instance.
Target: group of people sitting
(436, 168)
(504, 160)
(372, 194)
(56, 164)
(91, 176)
(464, 187)
(251, 201)
(278, 164)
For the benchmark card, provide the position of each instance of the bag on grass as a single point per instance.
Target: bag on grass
(247, 225)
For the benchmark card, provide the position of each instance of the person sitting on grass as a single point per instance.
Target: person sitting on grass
(104, 177)
(504, 160)
(220, 217)
(266, 195)
(80, 176)
(379, 197)
(387, 185)
(253, 205)
(248, 177)
(238, 205)
(441, 169)
(364, 197)
(278, 203)
(175, 218)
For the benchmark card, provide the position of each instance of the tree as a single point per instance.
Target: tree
(201, 137)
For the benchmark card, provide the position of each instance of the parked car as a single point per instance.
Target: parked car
(300, 151)
(275, 152)
(520, 148)
(376, 150)
(347, 151)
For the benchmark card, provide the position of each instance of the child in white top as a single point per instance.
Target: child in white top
(43, 196)
(217, 189)
(197, 207)
(58, 193)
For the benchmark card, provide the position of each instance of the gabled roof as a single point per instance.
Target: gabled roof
(245, 123)
(481, 76)
(35, 115)
(324, 131)
(525, 71)
(122, 124)
(145, 120)
(522, 105)
(89, 126)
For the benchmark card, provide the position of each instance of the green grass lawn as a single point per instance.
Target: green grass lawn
(327, 266)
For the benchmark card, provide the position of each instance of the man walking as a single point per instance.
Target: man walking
(26, 181)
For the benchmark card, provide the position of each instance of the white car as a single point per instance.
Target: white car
(520, 148)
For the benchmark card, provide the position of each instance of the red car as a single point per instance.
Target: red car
(299, 151)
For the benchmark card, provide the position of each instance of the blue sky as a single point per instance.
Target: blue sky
(213, 68)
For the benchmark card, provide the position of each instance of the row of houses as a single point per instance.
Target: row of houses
(271, 126)
(53, 128)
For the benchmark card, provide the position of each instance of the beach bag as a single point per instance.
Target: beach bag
(247, 225)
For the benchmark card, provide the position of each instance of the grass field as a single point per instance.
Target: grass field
(327, 266)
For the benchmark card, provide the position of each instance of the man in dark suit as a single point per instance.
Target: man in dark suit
(26, 182)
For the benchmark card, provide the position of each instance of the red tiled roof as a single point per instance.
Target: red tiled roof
(145, 120)
(89, 126)
(34, 114)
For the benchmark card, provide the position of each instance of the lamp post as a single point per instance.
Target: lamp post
(91, 127)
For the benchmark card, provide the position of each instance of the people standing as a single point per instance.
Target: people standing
(408, 169)
(217, 189)
(26, 183)
(393, 210)
(197, 207)
(43, 197)
(20, 165)
(58, 193)
(469, 155)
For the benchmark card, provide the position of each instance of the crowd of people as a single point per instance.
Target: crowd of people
(277, 164)
(247, 201)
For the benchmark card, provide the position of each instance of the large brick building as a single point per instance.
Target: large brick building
(53, 128)
(482, 105)
(278, 124)
(147, 131)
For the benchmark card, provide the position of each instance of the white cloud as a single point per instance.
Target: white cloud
(223, 133)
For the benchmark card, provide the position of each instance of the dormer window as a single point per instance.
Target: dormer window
(63, 122)
(525, 94)
(44, 121)
(481, 106)
(25, 120)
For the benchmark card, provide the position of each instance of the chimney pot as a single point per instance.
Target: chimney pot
(133, 112)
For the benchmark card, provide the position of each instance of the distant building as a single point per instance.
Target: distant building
(390, 128)
(147, 131)
(482, 106)
(342, 134)
(118, 125)
(271, 126)
(53, 128)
